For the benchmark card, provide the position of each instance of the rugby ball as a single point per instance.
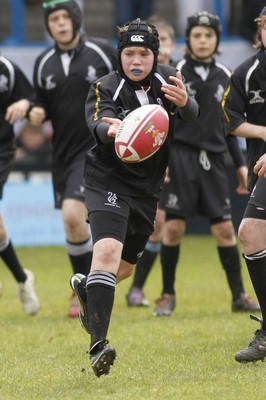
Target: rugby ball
(142, 133)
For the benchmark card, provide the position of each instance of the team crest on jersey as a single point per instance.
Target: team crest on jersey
(91, 74)
(219, 93)
(256, 97)
(48, 82)
(80, 191)
(112, 200)
(172, 201)
(3, 83)
(159, 101)
(121, 113)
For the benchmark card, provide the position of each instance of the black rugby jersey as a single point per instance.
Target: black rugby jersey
(206, 82)
(113, 96)
(62, 81)
(245, 101)
(14, 86)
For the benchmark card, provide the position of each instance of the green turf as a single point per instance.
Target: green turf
(189, 355)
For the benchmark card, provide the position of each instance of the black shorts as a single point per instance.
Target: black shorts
(198, 185)
(256, 206)
(125, 218)
(68, 183)
(5, 168)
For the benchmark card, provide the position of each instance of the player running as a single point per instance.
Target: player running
(122, 198)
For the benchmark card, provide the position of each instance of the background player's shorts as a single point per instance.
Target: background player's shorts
(256, 207)
(127, 219)
(198, 185)
(5, 168)
(68, 182)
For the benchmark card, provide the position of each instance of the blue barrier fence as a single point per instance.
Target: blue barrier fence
(31, 220)
(17, 36)
(29, 214)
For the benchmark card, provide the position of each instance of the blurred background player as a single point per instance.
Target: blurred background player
(198, 176)
(245, 115)
(63, 74)
(16, 94)
(33, 147)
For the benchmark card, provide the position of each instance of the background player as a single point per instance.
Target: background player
(245, 114)
(63, 74)
(16, 94)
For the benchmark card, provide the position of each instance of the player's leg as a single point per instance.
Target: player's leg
(24, 277)
(230, 259)
(98, 295)
(172, 233)
(69, 196)
(114, 253)
(135, 296)
(178, 199)
(79, 245)
(252, 234)
(215, 204)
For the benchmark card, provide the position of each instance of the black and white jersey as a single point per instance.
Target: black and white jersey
(245, 101)
(206, 82)
(113, 96)
(62, 81)
(14, 86)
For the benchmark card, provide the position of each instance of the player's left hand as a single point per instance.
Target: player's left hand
(17, 111)
(176, 93)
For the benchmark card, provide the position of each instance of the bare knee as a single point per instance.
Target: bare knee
(224, 233)
(106, 253)
(245, 233)
(173, 231)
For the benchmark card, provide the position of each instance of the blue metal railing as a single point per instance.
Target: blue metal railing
(17, 36)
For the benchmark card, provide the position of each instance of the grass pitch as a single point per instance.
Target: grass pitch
(187, 356)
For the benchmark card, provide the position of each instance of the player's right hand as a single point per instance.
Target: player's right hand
(114, 125)
(260, 166)
(37, 115)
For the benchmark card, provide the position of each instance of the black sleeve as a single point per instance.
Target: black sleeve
(22, 87)
(40, 93)
(235, 151)
(101, 133)
(191, 110)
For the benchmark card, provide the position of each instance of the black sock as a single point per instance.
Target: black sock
(143, 268)
(100, 299)
(230, 259)
(257, 272)
(10, 258)
(169, 260)
(80, 257)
